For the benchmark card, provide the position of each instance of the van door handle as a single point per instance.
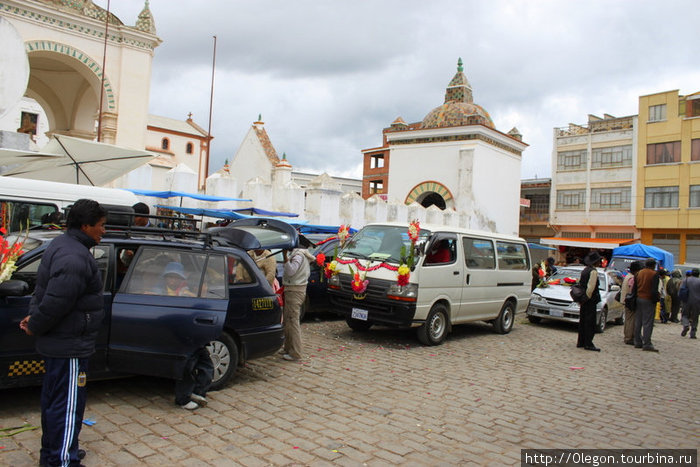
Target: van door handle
(205, 320)
(468, 277)
(456, 273)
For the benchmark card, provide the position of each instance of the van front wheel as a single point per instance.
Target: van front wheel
(434, 330)
(504, 323)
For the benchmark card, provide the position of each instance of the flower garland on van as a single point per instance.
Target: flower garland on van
(9, 252)
(403, 270)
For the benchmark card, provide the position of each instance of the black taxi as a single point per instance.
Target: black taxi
(229, 307)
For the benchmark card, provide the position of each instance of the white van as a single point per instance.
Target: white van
(23, 200)
(459, 276)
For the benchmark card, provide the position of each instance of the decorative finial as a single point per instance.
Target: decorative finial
(460, 68)
(284, 156)
(189, 116)
(226, 162)
(260, 117)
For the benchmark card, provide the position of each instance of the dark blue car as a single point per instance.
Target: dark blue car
(146, 331)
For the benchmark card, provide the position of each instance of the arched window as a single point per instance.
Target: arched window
(189, 149)
(165, 144)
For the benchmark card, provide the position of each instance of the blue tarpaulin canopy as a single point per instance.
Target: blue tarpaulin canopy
(663, 257)
(262, 212)
(537, 246)
(223, 213)
(173, 194)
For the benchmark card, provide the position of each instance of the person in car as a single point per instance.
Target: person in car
(587, 313)
(175, 281)
(65, 314)
(264, 261)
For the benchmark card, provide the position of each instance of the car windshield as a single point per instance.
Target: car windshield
(623, 264)
(563, 273)
(380, 243)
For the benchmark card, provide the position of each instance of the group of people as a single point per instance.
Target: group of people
(66, 313)
(674, 294)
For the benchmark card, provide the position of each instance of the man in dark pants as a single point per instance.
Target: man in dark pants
(647, 287)
(191, 390)
(587, 313)
(65, 315)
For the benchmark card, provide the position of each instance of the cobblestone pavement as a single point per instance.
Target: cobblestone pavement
(380, 398)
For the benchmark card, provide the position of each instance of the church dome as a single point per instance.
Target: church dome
(459, 108)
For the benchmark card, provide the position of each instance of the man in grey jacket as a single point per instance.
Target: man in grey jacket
(295, 278)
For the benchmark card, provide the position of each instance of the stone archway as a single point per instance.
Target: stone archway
(66, 82)
(431, 193)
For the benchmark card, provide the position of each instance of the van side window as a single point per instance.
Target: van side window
(479, 253)
(512, 256)
(443, 251)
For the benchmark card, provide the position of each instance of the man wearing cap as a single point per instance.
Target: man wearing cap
(587, 312)
(627, 285)
(295, 279)
(647, 286)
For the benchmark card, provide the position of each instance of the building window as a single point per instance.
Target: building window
(165, 144)
(376, 161)
(614, 235)
(611, 198)
(376, 187)
(695, 150)
(693, 108)
(571, 199)
(661, 197)
(616, 156)
(575, 235)
(657, 113)
(694, 201)
(189, 148)
(664, 153)
(571, 160)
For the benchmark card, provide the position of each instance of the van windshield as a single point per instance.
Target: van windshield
(380, 243)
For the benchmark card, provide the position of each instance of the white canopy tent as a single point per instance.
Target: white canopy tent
(74, 160)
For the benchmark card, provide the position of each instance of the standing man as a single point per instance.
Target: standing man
(265, 261)
(673, 286)
(65, 315)
(587, 312)
(295, 278)
(627, 285)
(691, 305)
(647, 283)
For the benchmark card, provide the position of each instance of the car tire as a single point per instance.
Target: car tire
(358, 324)
(534, 319)
(224, 356)
(504, 323)
(601, 320)
(434, 330)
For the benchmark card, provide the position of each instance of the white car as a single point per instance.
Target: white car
(554, 301)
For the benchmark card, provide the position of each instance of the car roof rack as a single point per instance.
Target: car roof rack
(120, 222)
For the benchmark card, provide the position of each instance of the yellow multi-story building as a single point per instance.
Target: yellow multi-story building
(668, 174)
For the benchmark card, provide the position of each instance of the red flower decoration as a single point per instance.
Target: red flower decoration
(320, 259)
(359, 285)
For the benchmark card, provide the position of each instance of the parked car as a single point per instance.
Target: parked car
(554, 301)
(145, 331)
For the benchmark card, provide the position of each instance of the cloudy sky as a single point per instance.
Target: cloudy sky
(327, 76)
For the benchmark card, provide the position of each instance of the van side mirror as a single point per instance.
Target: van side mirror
(14, 288)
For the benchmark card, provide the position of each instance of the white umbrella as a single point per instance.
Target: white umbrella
(81, 161)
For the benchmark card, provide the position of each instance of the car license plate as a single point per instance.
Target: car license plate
(358, 313)
(558, 313)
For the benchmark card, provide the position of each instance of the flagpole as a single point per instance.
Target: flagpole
(102, 81)
(211, 105)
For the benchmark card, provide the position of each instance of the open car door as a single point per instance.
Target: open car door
(156, 325)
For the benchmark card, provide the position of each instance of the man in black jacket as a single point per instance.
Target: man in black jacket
(65, 315)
